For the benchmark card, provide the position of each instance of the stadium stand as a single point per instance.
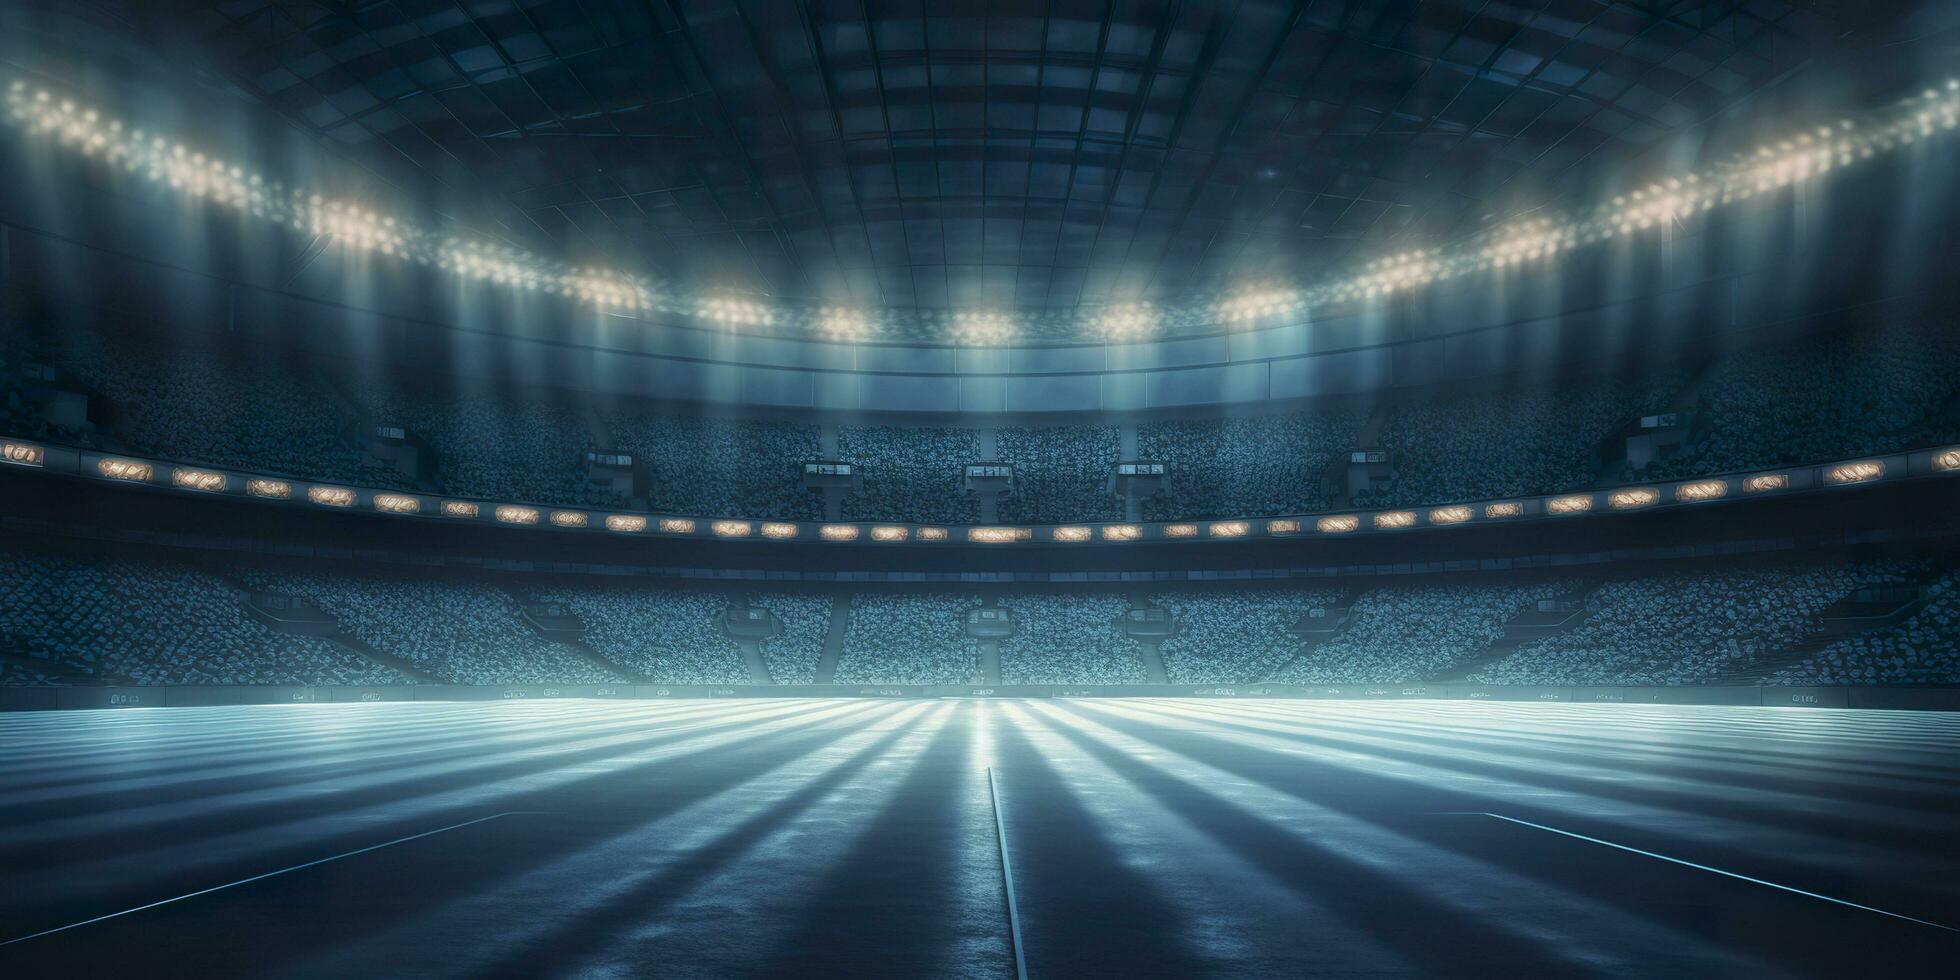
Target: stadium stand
(1235, 637)
(1925, 649)
(208, 404)
(1506, 443)
(721, 467)
(1061, 474)
(464, 633)
(1825, 398)
(1688, 627)
(908, 638)
(1808, 400)
(792, 655)
(910, 474)
(489, 446)
(144, 622)
(1244, 467)
(1414, 633)
(670, 635)
(1068, 638)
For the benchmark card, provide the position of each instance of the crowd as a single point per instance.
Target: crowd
(141, 622)
(792, 655)
(723, 467)
(1068, 638)
(158, 621)
(1061, 474)
(1814, 400)
(910, 474)
(1924, 649)
(195, 400)
(1235, 637)
(669, 635)
(1414, 633)
(491, 446)
(214, 405)
(1506, 443)
(1244, 467)
(1688, 627)
(459, 632)
(909, 638)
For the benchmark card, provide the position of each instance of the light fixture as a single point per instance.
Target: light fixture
(515, 514)
(203, 481)
(1453, 514)
(396, 503)
(22, 453)
(132, 470)
(331, 496)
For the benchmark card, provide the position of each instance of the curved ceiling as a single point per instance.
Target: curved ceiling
(1005, 154)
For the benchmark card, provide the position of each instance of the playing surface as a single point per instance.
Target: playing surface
(862, 838)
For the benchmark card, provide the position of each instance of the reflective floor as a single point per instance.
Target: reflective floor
(865, 838)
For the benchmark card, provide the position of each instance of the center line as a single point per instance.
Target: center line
(1719, 871)
(261, 877)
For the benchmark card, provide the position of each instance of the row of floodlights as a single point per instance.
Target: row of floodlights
(1774, 165)
(1630, 498)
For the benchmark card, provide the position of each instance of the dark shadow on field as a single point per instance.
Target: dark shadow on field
(1436, 938)
(258, 926)
(599, 925)
(1804, 935)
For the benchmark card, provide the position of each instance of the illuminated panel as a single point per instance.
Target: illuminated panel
(676, 525)
(22, 453)
(570, 518)
(459, 508)
(202, 480)
(778, 530)
(1180, 530)
(1702, 490)
(626, 523)
(1395, 519)
(998, 535)
(732, 529)
(838, 532)
(331, 496)
(1947, 461)
(269, 489)
(1121, 532)
(1577, 503)
(1455, 514)
(1337, 524)
(1072, 534)
(397, 503)
(889, 534)
(1766, 482)
(124, 469)
(514, 514)
(1509, 508)
(1870, 469)
(1230, 529)
(1285, 525)
(932, 534)
(1632, 498)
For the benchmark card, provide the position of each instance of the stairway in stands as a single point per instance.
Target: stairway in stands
(1528, 626)
(833, 642)
(1316, 630)
(344, 638)
(1866, 611)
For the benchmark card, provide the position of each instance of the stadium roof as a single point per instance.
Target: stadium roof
(1008, 154)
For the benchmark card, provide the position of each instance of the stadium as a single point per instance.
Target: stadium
(724, 488)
